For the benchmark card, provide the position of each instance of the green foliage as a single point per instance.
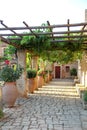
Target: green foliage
(62, 52)
(40, 72)
(28, 60)
(10, 73)
(31, 73)
(73, 72)
(85, 95)
(8, 53)
(1, 113)
(61, 56)
(35, 44)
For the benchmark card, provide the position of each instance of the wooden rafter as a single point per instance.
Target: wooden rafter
(43, 27)
(45, 33)
(30, 29)
(8, 42)
(68, 29)
(75, 36)
(67, 41)
(52, 35)
(10, 29)
(50, 29)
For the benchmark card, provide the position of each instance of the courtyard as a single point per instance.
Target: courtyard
(55, 106)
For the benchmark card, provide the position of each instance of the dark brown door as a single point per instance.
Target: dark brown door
(57, 71)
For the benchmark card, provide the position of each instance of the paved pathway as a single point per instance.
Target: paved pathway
(56, 106)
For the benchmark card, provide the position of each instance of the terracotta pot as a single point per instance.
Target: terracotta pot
(9, 93)
(31, 85)
(40, 81)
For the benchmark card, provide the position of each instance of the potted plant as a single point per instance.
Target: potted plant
(31, 81)
(84, 99)
(40, 78)
(9, 74)
(73, 72)
(1, 113)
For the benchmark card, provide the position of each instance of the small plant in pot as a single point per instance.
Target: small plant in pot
(1, 113)
(84, 99)
(31, 73)
(31, 81)
(85, 95)
(9, 74)
(73, 72)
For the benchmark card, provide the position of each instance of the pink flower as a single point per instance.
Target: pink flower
(7, 62)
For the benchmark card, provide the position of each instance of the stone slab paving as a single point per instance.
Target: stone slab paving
(55, 106)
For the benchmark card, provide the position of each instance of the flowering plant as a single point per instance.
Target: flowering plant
(10, 73)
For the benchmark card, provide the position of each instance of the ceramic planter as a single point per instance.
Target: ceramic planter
(40, 81)
(31, 85)
(84, 103)
(9, 93)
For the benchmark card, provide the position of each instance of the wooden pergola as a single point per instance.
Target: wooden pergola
(76, 32)
(55, 34)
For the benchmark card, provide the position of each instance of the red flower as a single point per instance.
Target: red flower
(7, 62)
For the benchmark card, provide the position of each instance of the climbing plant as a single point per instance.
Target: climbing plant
(61, 52)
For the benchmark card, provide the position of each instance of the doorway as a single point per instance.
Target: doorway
(57, 71)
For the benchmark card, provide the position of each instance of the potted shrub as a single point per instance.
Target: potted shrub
(9, 74)
(73, 72)
(84, 99)
(1, 113)
(31, 81)
(50, 75)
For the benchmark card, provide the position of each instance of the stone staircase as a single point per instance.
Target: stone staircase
(59, 88)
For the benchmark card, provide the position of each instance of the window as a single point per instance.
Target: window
(67, 68)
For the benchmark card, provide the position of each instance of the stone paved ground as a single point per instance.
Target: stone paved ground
(55, 106)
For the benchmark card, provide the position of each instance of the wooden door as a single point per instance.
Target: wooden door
(57, 71)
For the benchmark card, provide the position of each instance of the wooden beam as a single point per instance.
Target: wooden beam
(45, 33)
(30, 29)
(8, 42)
(76, 36)
(68, 29)
(10, 29)
(41, 27)
(73, 36)
(53, 41)
(50, 29)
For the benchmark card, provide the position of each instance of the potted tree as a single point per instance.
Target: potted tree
(31, 80)
(9, 74)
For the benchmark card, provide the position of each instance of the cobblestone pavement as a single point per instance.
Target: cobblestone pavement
(55, 106)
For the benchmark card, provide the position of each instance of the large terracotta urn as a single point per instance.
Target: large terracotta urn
(40, 81)
(9, 93)
(31, 83)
